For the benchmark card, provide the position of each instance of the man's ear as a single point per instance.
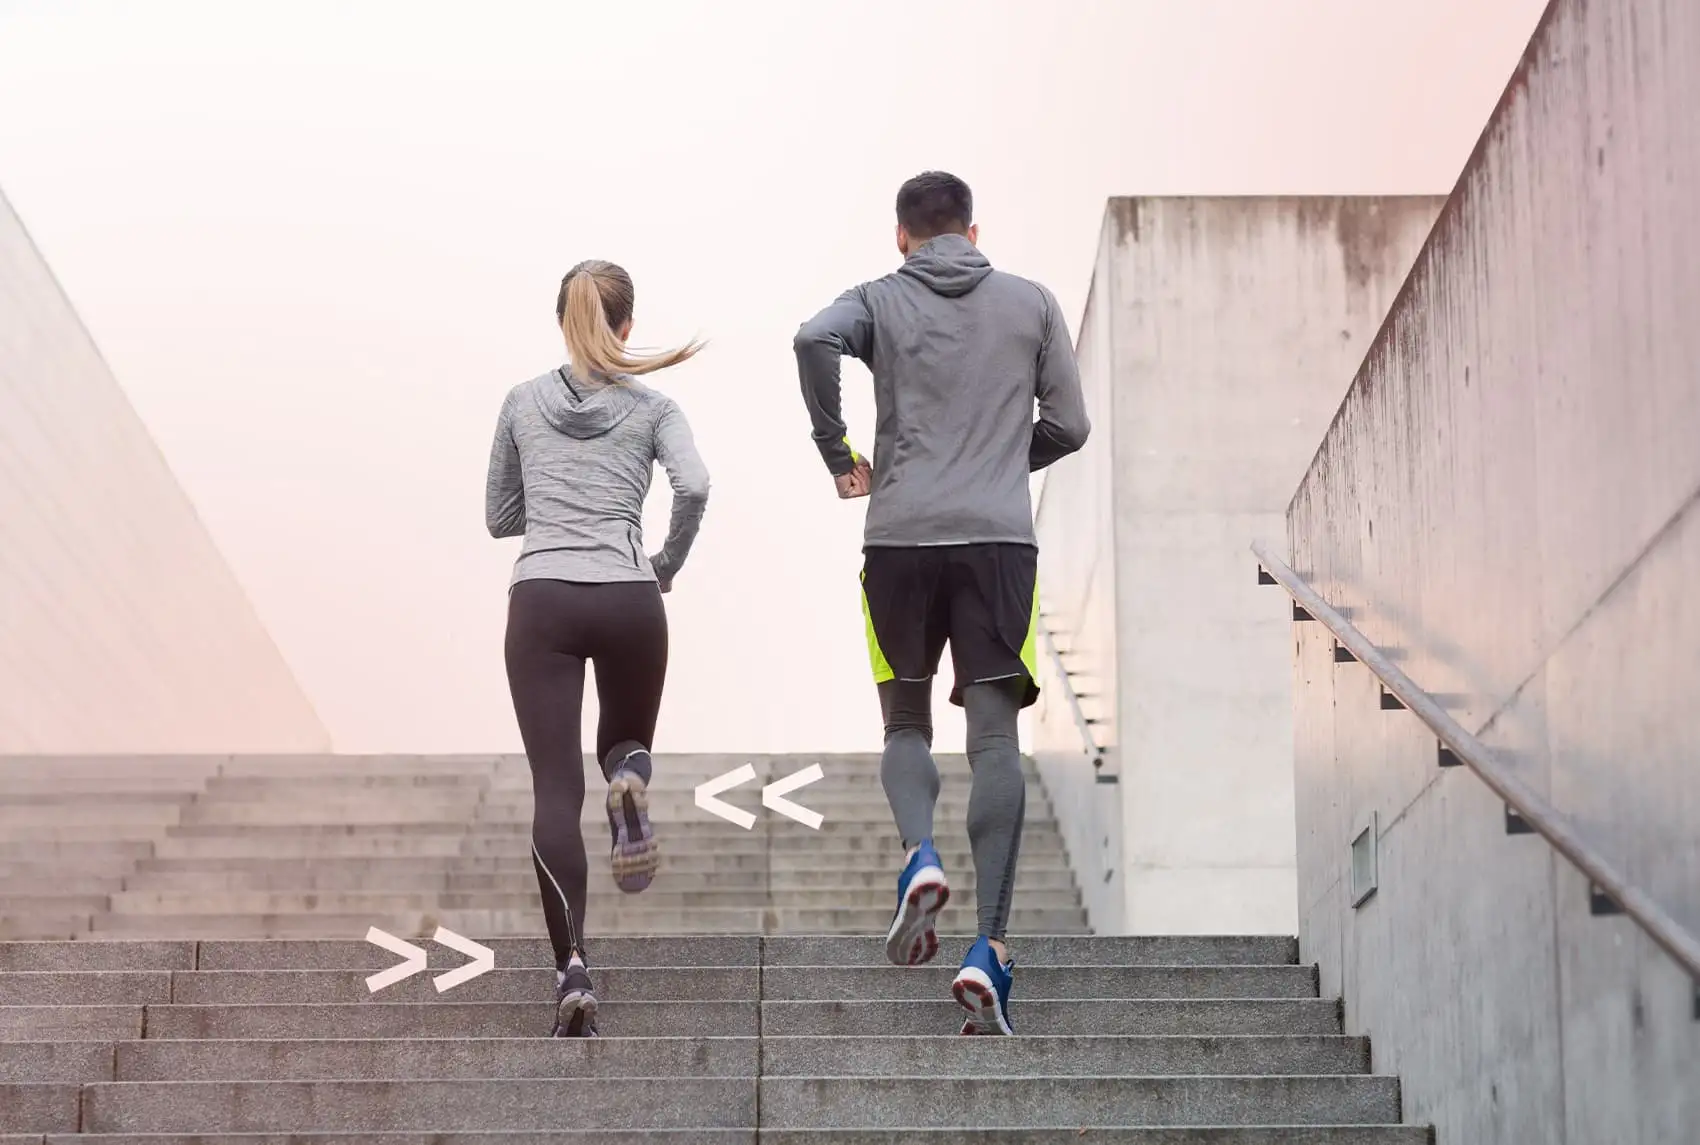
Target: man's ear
(902, 241)
(974, 233)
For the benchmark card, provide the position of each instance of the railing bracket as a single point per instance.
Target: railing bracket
(1066, 677)
(1601, 903)
(1515, 824)
(1343, 654)
(1609, 890)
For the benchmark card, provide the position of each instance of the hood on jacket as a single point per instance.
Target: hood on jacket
(598, 408)
(949, 265)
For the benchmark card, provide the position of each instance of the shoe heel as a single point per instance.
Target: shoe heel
(975, 993)
(575, 1015)
(913, 939)
(636, 855)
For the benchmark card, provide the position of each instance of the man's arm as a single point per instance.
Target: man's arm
(1063, 426)
(844, 328)
(504, 487)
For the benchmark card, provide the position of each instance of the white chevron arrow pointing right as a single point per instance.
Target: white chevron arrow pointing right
(483, 959)
(400, 971)
(706, 792)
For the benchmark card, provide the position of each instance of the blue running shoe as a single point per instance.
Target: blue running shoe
(921, 894)
(982, 988)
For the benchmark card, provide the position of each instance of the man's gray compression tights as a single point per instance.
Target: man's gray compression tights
(997, 805)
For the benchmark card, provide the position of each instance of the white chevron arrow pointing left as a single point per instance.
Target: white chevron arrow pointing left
(706, 793)
(772, 796)
(483, 959)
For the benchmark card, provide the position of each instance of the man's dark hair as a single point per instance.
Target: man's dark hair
(935, 203)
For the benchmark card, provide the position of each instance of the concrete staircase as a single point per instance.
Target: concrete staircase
(325, 847)
(229, 1003)
(811, 1038)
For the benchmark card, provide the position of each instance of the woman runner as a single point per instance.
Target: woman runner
(569, 469)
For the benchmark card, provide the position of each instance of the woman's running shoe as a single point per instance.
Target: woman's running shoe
(636, 854)
(982, 988)
(575, 1003)
(921, 894)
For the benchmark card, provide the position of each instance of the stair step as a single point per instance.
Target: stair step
(531, 1104)
(809, 1056)
(446, 1019)
(531, 951)
(793, 983)
(660, 896)
(673, 878)
(440, 1105)
(692, 1136)
(1053, 949)
(1137, 1135)
(1195, 1017)
(777, 852)
(635, 921)
(69, 1023)
(663, 950)
(58, 1063)
(1217, 1135)
(632, 1018)
(39, 1108)
(424, 1059)
(1072, 1102)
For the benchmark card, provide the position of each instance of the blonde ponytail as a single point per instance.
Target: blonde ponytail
(595, 300)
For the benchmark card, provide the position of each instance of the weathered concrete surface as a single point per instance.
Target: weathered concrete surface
(1219, 337)
(124, 628)
(327, 846)
(1224, 1035)
(1509, 502)
(1077, 587)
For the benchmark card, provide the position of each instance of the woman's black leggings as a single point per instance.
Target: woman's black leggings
(554, 626)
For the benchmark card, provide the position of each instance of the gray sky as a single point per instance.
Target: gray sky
(319, 241)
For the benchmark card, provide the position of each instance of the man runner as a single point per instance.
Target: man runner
(959, 354)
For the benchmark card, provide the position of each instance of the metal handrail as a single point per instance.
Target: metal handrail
(1081, 723)
(1542, 816)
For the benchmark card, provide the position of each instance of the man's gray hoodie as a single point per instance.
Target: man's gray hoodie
(570, 468)
(959, 353)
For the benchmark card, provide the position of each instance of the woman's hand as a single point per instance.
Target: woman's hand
(663, 574)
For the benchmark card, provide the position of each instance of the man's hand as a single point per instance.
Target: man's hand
(859, 482)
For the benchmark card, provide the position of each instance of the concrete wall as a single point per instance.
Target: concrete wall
(1219, 338)
(1077, 588)
(1509, 502)
(121, 628)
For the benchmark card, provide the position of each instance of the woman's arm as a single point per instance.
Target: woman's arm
(504, 488)
(676, 449)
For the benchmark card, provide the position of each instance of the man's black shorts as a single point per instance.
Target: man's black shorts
(983, 600)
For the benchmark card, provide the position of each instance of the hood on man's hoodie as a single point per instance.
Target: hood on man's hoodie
(597, 407)
(949, 265)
